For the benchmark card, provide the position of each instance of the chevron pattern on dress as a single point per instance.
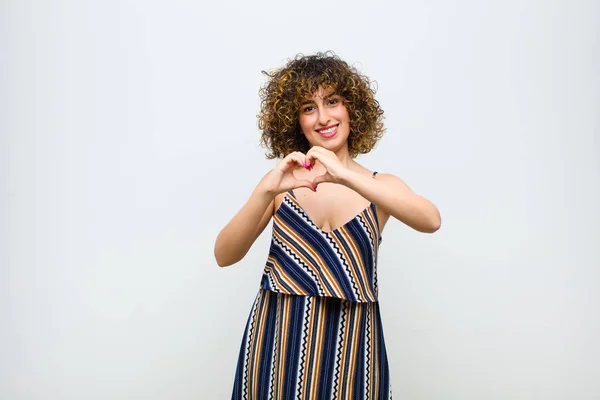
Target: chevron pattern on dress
(305, 348)
(314, 330)
(299, 262)
(304, 260)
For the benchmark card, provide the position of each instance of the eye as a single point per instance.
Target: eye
(307, 109)
(333, 101)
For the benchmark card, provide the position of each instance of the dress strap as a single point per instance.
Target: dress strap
(291, 192)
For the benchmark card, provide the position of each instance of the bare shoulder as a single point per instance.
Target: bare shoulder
(363, 170)
(382, 176)
(391, 179)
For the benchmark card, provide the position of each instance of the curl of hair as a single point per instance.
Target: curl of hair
(287, 88)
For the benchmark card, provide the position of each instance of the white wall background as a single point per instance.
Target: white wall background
(129, 138)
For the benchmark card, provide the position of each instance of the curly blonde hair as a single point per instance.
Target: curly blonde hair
(287, 88)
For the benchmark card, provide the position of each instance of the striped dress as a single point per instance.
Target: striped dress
(314, 330)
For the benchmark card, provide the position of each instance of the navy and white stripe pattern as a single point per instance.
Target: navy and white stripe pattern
(306, 260)
(314, 330)
(306, 348)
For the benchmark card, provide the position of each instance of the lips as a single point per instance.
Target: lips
(328, 131)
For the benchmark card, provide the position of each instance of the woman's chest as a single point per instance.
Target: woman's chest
(331, 210)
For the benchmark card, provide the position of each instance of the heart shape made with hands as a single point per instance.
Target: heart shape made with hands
(326, 177)
(327, 158)
(291, 181)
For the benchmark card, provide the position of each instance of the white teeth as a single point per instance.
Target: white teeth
(328, 130)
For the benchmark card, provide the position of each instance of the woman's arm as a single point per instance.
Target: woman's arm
(388, 192)
(238, 236)
(395, 198)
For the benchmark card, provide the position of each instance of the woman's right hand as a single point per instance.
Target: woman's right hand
(281, 178)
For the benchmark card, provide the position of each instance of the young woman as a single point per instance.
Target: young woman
(314, 330)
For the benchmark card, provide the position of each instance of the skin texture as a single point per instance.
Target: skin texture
(287, 88)
(325, 109)
(329, 184)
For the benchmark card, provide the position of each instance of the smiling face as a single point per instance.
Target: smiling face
(324, 120)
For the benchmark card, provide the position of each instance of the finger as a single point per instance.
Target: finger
(326, 177)
(304, 161)
(305, 183)
(299, 160)
(287, 159)
(293, 161)
(311, 157)
(318, 150)
(298, 157)
(302, 157)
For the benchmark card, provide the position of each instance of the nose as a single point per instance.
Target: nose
(324, 117)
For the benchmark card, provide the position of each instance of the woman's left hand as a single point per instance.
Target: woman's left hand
(336, 172)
